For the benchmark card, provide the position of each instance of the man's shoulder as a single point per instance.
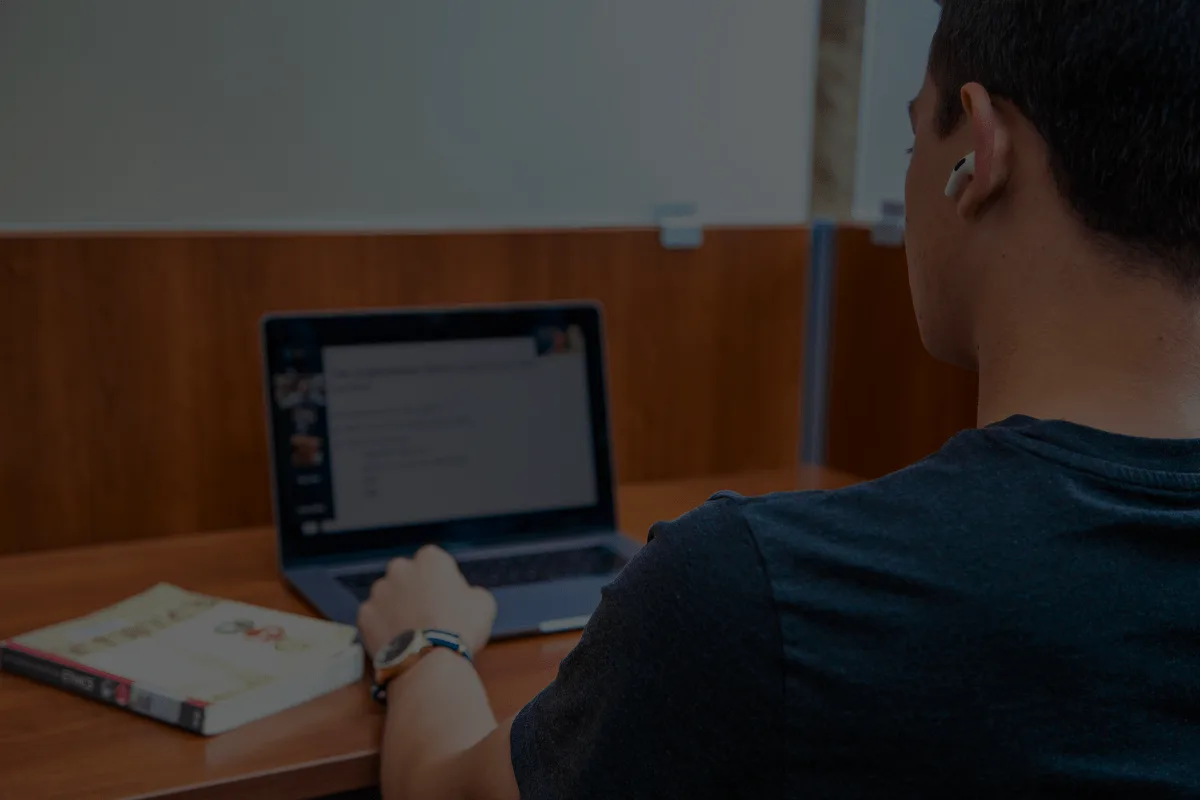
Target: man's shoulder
(708, 552)
(928, 526)
(969, 504)
(964, 481)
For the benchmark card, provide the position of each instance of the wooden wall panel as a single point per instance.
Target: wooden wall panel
(890, 403)
(133, 405)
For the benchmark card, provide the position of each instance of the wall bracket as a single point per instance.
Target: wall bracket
(889, 230)
(679, 226)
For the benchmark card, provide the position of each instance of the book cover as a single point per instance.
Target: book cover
(195, 661)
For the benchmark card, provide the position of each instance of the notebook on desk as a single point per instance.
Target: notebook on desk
(484, 430)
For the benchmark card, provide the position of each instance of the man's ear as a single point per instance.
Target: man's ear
(993, 151)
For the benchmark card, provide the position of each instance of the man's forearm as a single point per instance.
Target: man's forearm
(436, 711)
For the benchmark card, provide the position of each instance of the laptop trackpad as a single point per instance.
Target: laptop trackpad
(547, 607)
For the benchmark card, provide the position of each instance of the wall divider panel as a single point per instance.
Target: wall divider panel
(133, 406)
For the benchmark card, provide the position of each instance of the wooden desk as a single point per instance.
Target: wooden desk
(57, 745)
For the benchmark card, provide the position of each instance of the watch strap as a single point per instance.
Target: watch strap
(450, 641)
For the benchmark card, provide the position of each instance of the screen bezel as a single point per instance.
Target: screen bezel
(377, 326)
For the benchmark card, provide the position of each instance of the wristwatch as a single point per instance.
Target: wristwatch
(405, 650)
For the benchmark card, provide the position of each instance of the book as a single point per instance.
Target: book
(198, 662)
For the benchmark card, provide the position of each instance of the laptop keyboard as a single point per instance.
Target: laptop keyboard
(492, 573)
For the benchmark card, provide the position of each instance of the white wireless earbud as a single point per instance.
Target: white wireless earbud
(962, 170)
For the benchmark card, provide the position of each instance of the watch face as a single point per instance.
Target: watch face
(396, 647)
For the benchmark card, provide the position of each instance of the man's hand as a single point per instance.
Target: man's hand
(426, 591)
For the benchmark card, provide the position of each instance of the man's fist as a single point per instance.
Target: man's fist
(426, 591)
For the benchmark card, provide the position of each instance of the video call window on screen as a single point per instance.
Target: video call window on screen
(556, 340)
(302, 397)
(393, 434)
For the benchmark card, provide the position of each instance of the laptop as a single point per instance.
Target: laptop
(484, 430)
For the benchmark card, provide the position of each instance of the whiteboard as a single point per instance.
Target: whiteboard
(896, 43)
(384, 115)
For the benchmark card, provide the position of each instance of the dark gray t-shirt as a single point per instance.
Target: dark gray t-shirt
(1016, 616)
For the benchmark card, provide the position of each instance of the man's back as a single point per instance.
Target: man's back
(1014, 616)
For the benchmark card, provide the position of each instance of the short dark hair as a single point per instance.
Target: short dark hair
(1113, 87)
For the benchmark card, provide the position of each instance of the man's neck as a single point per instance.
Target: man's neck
(1116, 353)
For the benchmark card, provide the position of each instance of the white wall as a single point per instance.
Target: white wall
(895, 52)
(413, 114)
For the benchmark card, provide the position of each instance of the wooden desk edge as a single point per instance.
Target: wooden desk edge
(317, 778)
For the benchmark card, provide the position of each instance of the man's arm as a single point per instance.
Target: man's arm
(675, 688)
(440, 739)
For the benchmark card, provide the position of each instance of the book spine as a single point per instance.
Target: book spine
(96, 685)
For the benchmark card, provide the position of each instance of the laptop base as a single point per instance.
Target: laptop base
(521, 610)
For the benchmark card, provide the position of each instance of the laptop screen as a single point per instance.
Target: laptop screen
(393, 428)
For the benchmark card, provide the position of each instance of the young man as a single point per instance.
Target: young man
(1016, 616)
